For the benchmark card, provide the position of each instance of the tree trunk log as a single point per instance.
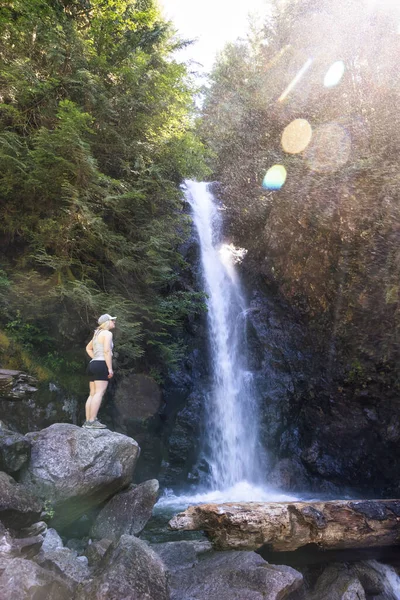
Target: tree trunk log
(286, 526)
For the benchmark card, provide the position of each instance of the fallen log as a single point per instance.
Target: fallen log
(286, 526)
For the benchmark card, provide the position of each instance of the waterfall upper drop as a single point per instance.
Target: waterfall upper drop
(232, 413)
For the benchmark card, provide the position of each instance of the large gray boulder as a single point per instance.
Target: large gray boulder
(14, 451)
(19, 507)
(25, 580)
(75, 469)
(234, 576)
(338, 582)
(127, 512)
(182, 554)
(130, 571)
(64, 563)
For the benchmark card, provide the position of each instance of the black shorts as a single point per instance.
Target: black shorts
(97, 370)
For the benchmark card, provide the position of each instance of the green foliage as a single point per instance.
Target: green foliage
(48, 509)
(96, 134)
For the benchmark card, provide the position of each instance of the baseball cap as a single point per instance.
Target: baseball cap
(105, 318)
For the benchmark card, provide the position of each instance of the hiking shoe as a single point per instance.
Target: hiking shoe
(87, 423)
(95, 425)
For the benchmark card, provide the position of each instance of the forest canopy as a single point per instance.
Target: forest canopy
(96, 134)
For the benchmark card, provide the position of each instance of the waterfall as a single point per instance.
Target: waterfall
(232, 448)
(232, 414)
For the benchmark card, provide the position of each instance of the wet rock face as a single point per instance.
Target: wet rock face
(184, 441)
(137, 397)
(134, 409)
(129, 570)
(75, 469)
(349, 439)
(280, 359)
(127, 512)
(27, 406)
(324, 433)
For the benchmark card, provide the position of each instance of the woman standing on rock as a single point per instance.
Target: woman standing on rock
(99, 369)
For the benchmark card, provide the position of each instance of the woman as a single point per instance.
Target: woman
(99, 369)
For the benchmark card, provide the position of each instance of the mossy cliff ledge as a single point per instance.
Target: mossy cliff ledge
(27, 405)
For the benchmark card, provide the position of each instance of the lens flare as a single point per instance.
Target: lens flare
(329, 149)
(274, 178)
(296, 80)
(334, 74)
(296, 136)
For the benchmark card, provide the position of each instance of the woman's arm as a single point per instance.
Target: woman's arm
(107, 340)
(89, 349)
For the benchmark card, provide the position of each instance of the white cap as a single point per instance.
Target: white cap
(105, 318)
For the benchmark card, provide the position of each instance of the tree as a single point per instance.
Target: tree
(96, 134)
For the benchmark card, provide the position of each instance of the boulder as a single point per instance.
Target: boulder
(75, 469)
(130, 570)
(64, 563)
(52, 541)
(96, 551)
(177, 555)
(25, 580)
(77, 545)
(338, 582)
(14, 451)
(19, 507)
(39, 528)
(286, 526)
(379, 580)
(11, 547)
(234, 576)
(127, 512)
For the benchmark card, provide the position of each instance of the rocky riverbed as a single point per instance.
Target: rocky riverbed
(71, 522)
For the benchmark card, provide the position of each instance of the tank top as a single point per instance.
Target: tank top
(98, 348)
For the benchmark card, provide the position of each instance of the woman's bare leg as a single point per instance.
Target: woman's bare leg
(100, 388)
(89, 400)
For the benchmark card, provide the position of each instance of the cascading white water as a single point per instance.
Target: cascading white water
(233, 450)
(232, 413)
